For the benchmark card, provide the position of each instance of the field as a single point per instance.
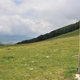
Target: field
(52, 59)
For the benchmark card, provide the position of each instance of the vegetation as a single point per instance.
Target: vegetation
(52, 59)
(54, 33)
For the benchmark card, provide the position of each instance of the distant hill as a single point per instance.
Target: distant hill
(52, 34)
(11, 39)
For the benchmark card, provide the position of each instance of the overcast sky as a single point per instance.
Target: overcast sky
(35, 17)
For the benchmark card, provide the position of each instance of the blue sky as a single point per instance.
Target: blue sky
(18, 2)
(36, 17)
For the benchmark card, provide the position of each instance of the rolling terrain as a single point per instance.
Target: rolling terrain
(52, 59)
(52, 34)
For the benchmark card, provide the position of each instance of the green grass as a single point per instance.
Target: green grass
(53, 59)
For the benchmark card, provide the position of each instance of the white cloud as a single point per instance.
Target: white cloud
(28, 17)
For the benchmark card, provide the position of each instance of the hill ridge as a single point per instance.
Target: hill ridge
(53, 33)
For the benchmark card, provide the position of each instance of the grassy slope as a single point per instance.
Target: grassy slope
(29, 62)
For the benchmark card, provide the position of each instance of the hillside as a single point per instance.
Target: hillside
(53, 33)
(52, 59)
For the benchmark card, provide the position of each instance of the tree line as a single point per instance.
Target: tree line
(54, 33)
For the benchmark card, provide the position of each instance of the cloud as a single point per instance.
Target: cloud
(35, 17)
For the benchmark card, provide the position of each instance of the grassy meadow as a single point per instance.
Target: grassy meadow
(52, 59)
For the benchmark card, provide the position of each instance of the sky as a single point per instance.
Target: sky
(36, 17)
